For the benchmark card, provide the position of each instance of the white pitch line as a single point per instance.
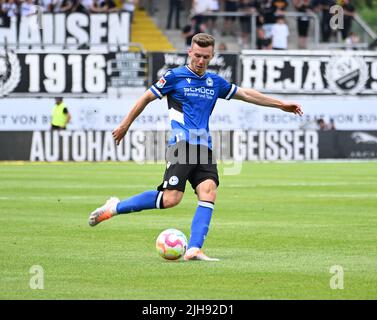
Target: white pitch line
(352, 195)
(51, 197)
(298, 184)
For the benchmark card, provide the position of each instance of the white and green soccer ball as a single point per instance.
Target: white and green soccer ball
(171, 244)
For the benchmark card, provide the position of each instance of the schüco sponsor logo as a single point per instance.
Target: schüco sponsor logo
(201, 90)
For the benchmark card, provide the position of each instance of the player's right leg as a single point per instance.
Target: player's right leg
(105, 212)
(167, 195)
(144, 201)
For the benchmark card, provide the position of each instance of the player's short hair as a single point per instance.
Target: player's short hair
(203, 40)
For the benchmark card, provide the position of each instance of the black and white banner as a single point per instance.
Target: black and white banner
(140, 146)
(149, 146)
(57, 31)
(69, 73)
(223, 64)
(314, 73)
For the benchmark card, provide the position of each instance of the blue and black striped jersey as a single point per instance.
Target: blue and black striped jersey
(191, 99)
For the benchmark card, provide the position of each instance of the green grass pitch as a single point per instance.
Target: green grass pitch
(278, 228)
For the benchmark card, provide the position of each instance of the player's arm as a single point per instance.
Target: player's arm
(68, 118)
(255, 97)
(139, 106)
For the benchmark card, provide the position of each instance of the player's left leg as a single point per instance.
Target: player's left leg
(204, 180)
(206, 192)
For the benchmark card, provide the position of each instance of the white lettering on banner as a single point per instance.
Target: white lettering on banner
(295, 85)
(79, 146)
(311, 145)
(120, 23)
(74, 29)
(83, 146)
(94, 145)
(272, 150)
(76, 62)
(37, 150)
(255, 73)
(55, 78)
(274, 145)
(262, 146)
(108, 147)
(52, 146)
(34, 73)
(54, 69)
(141, 146)
(314, 81)
(47, 35)
(173, 59)
(66, 144)
(95, 74)
(239, 145)
(286, 151)
(9, 35)
(97, 31)
(273, 74)
(253, 144)
(137, 140)
(59, 30)
(283, 145)
(27, 34)
(323, 73)
(298, 145)
(75, 24)
(124, 149)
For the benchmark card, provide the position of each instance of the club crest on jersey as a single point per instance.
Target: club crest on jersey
(173, 181)
(160, 84)
(209, 82)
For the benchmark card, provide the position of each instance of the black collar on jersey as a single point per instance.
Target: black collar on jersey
(195, 72)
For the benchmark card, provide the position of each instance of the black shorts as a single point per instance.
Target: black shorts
(303, 27)
(184, 161)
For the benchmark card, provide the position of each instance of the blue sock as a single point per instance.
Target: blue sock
(142, 201)
(200, 224)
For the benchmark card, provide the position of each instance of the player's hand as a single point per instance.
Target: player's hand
(118, 134)
(292, 107)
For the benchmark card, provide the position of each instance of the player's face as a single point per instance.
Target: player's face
(200, 58)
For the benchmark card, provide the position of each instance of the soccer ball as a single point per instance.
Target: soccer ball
(171, 244)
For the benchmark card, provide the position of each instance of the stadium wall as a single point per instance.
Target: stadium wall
(348, 113)
(149, 146)
(101, 83)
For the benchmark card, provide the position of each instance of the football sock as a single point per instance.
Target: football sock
(200, 224)
(146, 200)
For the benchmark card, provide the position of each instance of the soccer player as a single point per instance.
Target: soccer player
(191, 94)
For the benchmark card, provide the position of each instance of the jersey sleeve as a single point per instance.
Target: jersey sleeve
(165, 85)
(226, 90)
